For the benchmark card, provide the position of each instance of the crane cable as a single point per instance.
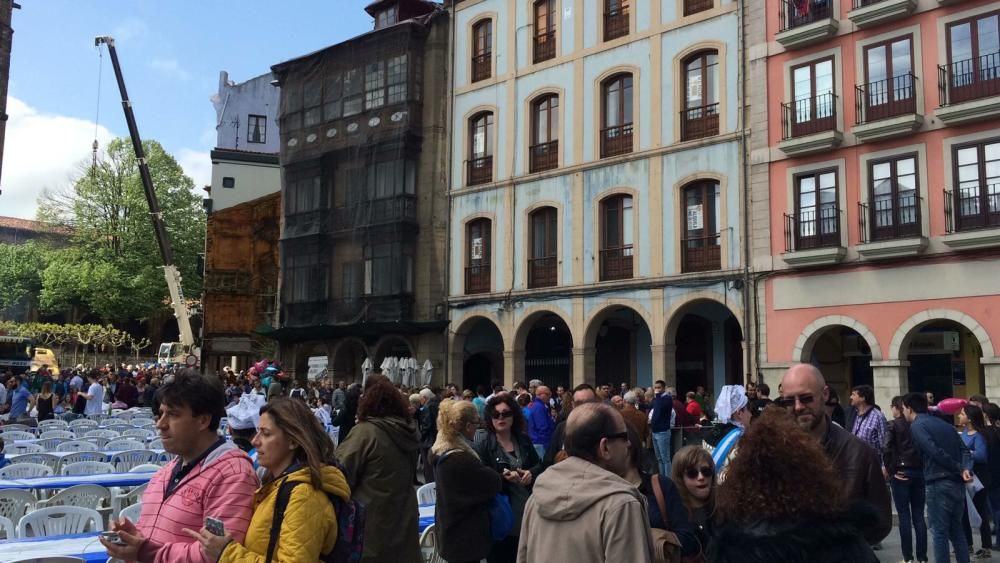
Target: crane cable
(97, 113)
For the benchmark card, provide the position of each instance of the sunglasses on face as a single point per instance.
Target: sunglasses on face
(502, 414)
(706, 472)
(789, 401)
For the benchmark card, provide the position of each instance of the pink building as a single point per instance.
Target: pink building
(875, 196)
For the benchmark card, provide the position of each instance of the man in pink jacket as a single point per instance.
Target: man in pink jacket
(210, 477)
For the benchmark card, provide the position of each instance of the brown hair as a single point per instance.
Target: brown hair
(686, 458)
(313, 446)
(381, 399)
(783, 473)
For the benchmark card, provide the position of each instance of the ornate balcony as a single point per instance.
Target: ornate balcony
(616, 140)
(544, 47)
(869, 13)
(616, 23)
(813, 239)
(700, 122)
(482, 66)
(969, 90)
(891, 229)
(805, 22)
(477, 279)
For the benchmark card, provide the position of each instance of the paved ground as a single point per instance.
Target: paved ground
(891, 551)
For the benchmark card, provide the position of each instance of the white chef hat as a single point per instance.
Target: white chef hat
(731, 399)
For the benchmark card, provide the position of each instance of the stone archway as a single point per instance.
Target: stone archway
(704, 344)
(618, 346)
(543, 348)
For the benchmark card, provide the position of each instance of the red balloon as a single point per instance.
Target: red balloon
(952, 406)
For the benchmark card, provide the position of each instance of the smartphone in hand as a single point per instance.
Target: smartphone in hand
(112, 537)
(215, 526)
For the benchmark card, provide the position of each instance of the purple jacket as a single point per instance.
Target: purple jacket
(540, 424)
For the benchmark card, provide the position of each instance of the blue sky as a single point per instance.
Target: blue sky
(171, 54)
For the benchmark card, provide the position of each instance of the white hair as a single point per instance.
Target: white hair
(535, 383)
(427, 394)
(631, 398)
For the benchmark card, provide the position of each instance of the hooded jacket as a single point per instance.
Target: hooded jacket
(604, 515)
(380, 460)
(309, 528)
(221, 486)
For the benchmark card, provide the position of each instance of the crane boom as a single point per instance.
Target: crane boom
(170, 271)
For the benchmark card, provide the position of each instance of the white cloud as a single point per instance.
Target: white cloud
(42, 150)
(170, 68)
(197, 165)
(131, 28)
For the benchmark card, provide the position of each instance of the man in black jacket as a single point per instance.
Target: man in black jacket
(804, 393)
(903, 467)
(427, 424)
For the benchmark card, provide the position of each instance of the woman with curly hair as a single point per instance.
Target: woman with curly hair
(782, 501)
(380, 459)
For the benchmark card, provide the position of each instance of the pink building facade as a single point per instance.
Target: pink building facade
(875, 193)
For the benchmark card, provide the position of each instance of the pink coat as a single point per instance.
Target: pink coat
(221, 486)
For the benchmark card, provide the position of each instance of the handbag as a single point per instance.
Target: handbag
(666, 544)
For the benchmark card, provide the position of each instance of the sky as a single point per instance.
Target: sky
(171, 53)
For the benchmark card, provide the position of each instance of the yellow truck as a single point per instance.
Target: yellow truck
(45, 356)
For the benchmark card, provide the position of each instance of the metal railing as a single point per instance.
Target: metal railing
(543, 156)
(482, 66)
(701, 254)
(887, 98)
(700, 122)
(807, 231)
(972, 207)
(542, 272)
(480, 170)
(890, 220)
(616, 263)
(695, 6)
(374, 212)
(616, 140)
(970, 79)
(805, 12)
(477, 279)
(809, 115)
(544, 47)
(616, 23)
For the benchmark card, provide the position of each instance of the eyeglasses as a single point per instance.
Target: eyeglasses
(618, 436)
(502, 414)
(706, 472)
(789, 401)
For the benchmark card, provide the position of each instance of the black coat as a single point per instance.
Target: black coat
(797, 540)
(491, 452)
(465, 488)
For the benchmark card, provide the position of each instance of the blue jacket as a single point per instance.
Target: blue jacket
(540, 424)
(663, 407)
(944, 454)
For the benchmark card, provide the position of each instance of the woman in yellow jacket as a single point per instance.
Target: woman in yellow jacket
(291, 446)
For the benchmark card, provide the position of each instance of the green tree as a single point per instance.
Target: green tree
(113, 263)
(21, 267)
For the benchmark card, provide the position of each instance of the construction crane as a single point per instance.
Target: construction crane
(184, 351)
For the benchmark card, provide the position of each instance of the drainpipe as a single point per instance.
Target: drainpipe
(749, 337)
(449, 125)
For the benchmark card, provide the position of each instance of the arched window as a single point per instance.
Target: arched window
(616, 115)
(544, 248)
(545, 31)
(700, 220)
(615, 19)
(478, 256)
(616, 238)
(700, 116)
(482, 50)
(544, 133)
(480, 148)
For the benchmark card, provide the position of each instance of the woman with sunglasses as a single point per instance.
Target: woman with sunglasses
(506, 449)
(694, 476)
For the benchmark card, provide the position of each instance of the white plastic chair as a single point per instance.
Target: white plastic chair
(53, 424)
(87, 468)
(143, 434)
(66, 434)
(25, 471)
(125, 461)
(92, 497)
(428, 545)
(76, 446)
(156, 444)
(11, 435)
(129, 496)
(59, 521)
(102, 433)
(98, 418)
(50, 444)
(77, 457)
(24, 448)
(145, 468)
(8, 528)
(21, 427)
(15, 503)
(82, 425)
(45, 459)
(141, 421)
(123, 444)
(131, 512)
(427, 494)
(99, 442)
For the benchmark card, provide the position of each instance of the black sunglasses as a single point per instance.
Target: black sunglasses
(706, 472)
(505, 414)
(789, 401)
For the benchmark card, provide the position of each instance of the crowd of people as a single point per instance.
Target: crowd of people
(782, 480)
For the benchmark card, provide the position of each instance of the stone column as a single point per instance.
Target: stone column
(991, 375)
(584, 366)
(456, 367)
(509, 369)
(890, 378)
(669, 373)
(659, 370)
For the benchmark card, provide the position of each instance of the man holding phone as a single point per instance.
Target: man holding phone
(210, 480)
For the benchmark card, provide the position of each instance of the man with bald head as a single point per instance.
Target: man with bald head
(540, 420)
(804, 394)
(586, 498)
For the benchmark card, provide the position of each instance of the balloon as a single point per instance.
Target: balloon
(952, 406)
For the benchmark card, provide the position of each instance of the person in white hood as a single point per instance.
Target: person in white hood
(581, 509)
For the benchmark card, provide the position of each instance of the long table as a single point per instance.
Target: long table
(106, 453)
(64, 482)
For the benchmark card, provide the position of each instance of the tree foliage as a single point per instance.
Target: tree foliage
(112, 266)
(21, 269)
(90, 336)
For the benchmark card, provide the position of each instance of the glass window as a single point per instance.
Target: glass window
(257, 129)
(618, 101)
(374, 85)
(332, 92)
(546, 120)
(812, 90)
(352, 92)
(700, 86)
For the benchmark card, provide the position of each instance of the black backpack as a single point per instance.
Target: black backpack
(350, 526)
